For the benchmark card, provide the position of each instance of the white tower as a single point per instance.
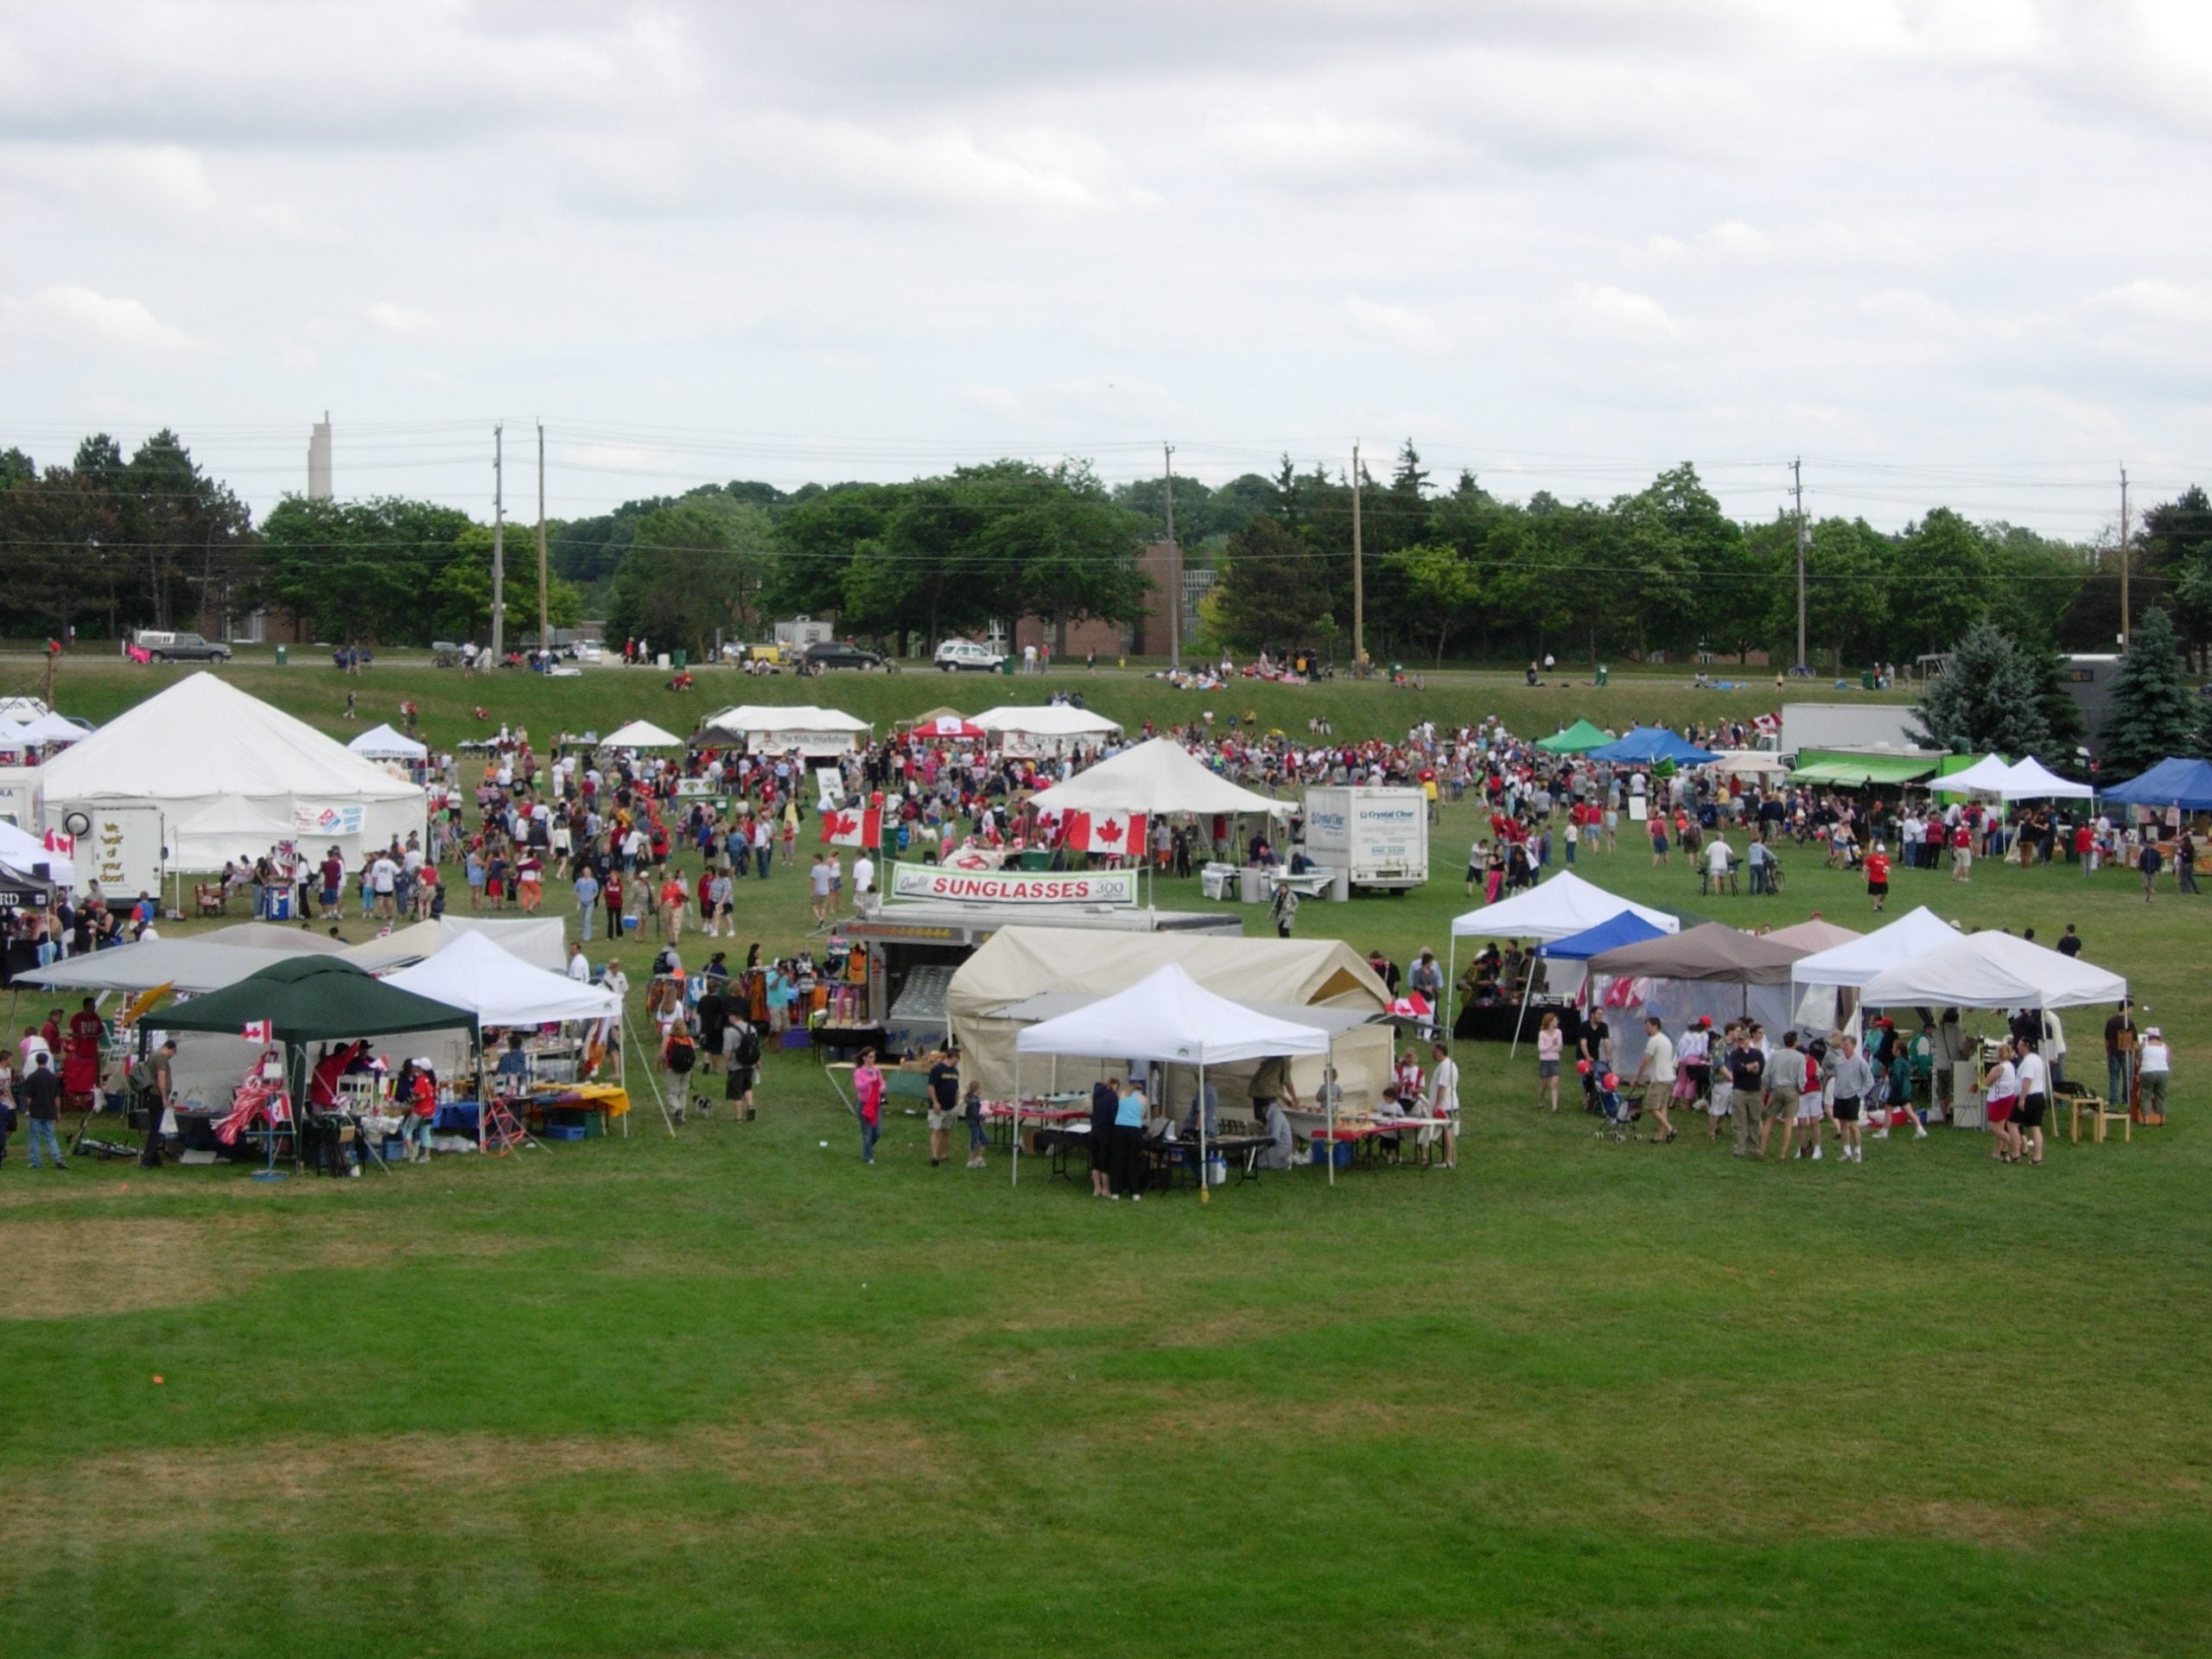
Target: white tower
(318, 460)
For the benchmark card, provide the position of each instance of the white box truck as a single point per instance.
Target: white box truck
(1379, 838)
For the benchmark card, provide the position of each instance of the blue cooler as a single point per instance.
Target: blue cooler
(276, 904)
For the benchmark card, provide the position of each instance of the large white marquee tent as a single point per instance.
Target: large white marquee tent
(203, 740)
(762, 728)
(1992, 971)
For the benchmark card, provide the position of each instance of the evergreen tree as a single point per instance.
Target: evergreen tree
(2152, 714)
(1985, 701)
(1271, 592)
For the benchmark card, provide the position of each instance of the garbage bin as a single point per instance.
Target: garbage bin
(1867, 679)
(1604, 673)
(1006, 665)
(1252, 885)
(1340, 887)
(681, 658)
(283, 656)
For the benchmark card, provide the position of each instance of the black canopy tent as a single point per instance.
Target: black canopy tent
(314, 999)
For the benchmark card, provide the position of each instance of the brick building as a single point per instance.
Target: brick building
(1148, 637)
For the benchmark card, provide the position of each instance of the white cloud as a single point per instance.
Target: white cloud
(68, 314)
(1618, 311)
(398, 320)
(1397, 325)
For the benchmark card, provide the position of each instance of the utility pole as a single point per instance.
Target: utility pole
(1797, 488)
(544, 629)
(2124, 619)
(1358, 573)
(1174, 570)
(498, 543)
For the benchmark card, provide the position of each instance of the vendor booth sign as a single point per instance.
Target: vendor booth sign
(126, 844)
(1009, 887)
(320, 821)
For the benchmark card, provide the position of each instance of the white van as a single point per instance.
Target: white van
(955, 654)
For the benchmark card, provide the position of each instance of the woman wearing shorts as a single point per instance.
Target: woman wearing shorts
(1551, 1042)
(2001, 1086)
(2033, 1072)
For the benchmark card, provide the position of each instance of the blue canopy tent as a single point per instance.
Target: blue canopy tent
(2175, 781)
(1648, 744)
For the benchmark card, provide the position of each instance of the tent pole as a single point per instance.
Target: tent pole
(1331, 1080)
(1205, 1172)
(1451, 984)
(1528, 985)
(1016, 1159)
(658, 1099)
(622, 1073)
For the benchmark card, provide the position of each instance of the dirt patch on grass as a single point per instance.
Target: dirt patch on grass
(287, 1486)
(70, 1266)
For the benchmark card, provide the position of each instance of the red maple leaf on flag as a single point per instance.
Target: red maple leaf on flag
(1109, 830)
(834, 824)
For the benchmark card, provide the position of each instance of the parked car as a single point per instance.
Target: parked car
(166, 648)
(955, 654)
(836, 653)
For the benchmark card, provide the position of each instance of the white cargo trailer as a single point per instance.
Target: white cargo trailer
(1379, 838)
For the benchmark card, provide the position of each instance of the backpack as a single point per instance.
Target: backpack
(681, 1053)
(748, 1048)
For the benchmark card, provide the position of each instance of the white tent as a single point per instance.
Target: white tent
(1913, 934)
(1991, 970)
(20, 850)
(500, 989)
(50, 728)
(538, 940)
(812, 731)
(2030, 781)
(202, 739)
(640, 735)
(383, 743)
(1167, 1017)
(231, 827)
(193, 964)
(292, 940)
(1049, 729)
(1022, 962)
(1554, 909)
(1987, 775)
(1159, 776)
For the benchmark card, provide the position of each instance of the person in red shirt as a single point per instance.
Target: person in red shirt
(1877, 877)
(672, 899)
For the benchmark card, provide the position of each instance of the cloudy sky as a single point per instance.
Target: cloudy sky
(1949, 251)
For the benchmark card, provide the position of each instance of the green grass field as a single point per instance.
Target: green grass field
(735, 1393)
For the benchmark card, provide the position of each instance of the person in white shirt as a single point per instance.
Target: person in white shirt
(1718, 856)
(2034, 1074)
(579, 967)
(1655, 1072)
(863, 877)
(1444, 1099)
(2154, 1064)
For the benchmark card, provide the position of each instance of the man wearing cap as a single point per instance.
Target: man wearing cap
(152, 1076)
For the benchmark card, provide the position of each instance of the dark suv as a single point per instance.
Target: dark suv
(836, 653)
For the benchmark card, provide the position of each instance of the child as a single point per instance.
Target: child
(972, 1109)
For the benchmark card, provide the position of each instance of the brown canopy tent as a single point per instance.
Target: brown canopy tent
(1709, 952)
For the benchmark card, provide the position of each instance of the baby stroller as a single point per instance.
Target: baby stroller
(1618, 1112)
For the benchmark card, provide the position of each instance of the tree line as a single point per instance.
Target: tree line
(108, 543)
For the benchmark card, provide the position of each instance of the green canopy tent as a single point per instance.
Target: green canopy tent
(307, 1000)
(1578, 739)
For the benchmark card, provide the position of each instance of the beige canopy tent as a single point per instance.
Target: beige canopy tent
(1019, 962)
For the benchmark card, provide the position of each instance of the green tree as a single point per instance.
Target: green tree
(1438, 583)
(1270, 591)
(461, 594)
(360, 570)
(1984, 701)
(2151, 714)
(695, 569)
(1944, 570)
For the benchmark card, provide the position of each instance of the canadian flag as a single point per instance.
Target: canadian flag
(1106, 832)
(257, 1031)
(853, 827)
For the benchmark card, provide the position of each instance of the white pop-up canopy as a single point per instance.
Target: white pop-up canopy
(43, 729)
(1046, 719)
(201, 740)
(763, 726)
(640, 735)
(233, 828)
(194, 964)
(1987, 775)
(539, 941)
(383, 743)
(1554, 909)
(2030, 781)
(1169, 1018)
(1913, 934)
(501, 990)
(1991, 970)
(1154, 777)
(20, 850)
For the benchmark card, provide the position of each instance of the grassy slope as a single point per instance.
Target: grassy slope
(737, 1395)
